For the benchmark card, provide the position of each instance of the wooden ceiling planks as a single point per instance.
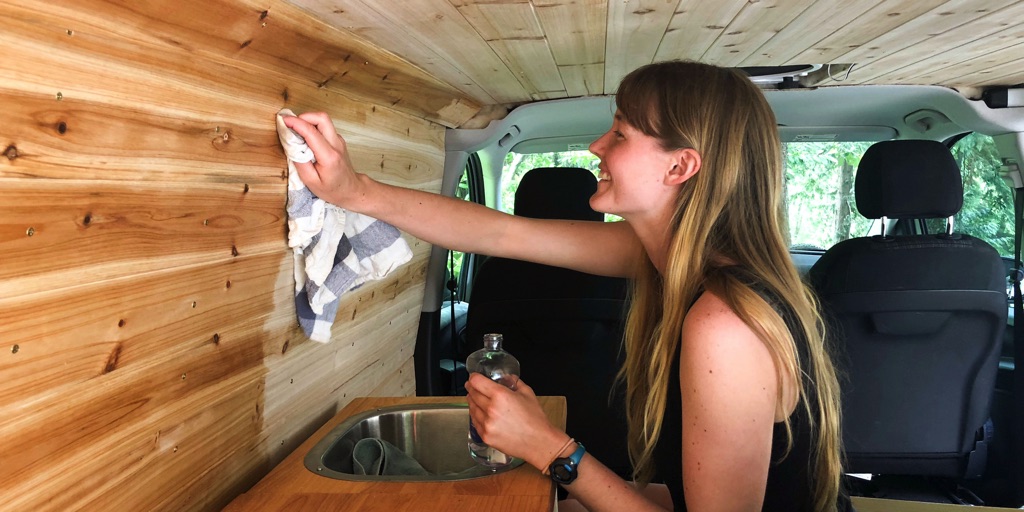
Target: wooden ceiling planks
(852, 37)
(575, 34)
(756, 24)
(918, 41)
(818, 21)
(514, 33)
(513, 51)
(635, 30)
(695, 26)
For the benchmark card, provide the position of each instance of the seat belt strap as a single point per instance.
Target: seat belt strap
(1011, 172)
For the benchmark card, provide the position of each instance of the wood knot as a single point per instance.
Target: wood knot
(111, 364)
(11, 152)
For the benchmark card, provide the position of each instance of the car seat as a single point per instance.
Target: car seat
(917, 319)
(564, 326)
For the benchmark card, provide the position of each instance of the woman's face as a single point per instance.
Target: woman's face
(632, 182)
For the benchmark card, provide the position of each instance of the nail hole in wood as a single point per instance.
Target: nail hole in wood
(15, 349)
(183, 376)
(121, 322)
(227, 285)
(264, 14)
(62, 127)
(71, 32)
(193, 304)
(245, 189)
(11, 152)
(234, 251)
(216, 339)
(30, 231)
(87, 219)
(60, 96)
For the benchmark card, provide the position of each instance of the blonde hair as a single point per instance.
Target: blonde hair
(732, 209)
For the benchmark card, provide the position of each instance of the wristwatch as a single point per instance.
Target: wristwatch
(564, 469)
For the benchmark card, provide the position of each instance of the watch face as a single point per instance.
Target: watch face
(563, 472)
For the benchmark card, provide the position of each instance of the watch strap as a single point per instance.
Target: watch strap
(564, 470)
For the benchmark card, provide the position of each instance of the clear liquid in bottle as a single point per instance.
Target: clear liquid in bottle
(499, 366)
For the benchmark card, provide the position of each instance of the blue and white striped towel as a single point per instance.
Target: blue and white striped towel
(335, 250)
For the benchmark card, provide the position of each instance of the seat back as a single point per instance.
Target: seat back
(565, 327)
(918, 320)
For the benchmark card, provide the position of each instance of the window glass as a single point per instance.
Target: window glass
(987, 212)
(517, 164)
(820, 203)
(819, 193)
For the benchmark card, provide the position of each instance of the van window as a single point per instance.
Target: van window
(820, 203)
(819, 193)
(987, 213)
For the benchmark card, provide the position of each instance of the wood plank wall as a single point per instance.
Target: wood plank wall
(149, 354)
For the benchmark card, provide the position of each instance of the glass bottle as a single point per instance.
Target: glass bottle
(499, 366)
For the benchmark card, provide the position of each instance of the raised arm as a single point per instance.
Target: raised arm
(594, 247)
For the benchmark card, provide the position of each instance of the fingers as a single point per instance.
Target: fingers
(323, 124)
(324, 149)
(307, 173)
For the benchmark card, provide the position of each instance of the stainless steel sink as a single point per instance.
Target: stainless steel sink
(433, 434)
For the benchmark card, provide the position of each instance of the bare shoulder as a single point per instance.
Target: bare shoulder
(720, 353)
(728, 387)
(711, 325)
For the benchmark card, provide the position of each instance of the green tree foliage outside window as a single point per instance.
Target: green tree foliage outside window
(820, 201)
(988, 201)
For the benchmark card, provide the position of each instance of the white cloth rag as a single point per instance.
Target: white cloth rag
(335, 250)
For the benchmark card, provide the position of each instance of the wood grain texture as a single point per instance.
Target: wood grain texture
(146, 298)
(458, 42)
(229, 35)
(634, 32)
(290, 486)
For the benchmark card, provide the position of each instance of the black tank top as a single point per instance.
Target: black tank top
(790, 484)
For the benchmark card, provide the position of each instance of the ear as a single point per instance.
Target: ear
(685, 164)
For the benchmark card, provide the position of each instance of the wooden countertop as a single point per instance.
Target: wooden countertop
(290, 486)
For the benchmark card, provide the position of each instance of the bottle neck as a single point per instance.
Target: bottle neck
(492, 341)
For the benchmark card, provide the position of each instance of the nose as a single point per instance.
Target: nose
(597, 147)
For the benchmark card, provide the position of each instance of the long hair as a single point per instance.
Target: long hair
(731, 209)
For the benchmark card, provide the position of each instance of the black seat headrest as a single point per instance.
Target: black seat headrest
(904, 179)
(557, 193)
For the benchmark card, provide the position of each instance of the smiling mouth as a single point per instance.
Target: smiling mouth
(604, 176)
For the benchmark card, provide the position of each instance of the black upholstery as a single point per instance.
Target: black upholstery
(918, 320)
(565, 327)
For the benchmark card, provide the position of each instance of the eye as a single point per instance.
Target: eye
(618, 134)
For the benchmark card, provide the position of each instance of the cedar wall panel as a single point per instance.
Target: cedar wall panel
(150, 355)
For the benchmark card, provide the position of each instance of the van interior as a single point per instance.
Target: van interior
(152, 358)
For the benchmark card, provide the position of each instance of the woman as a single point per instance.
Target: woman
(732, 400)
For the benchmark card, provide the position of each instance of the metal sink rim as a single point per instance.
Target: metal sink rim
(314, 459)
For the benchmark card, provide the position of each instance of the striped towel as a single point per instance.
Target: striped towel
(335, 250)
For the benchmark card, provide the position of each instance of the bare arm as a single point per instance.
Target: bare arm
(514, 422)
(594, 247)
(728, 385)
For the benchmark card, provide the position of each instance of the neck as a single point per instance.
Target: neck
(655, 235)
